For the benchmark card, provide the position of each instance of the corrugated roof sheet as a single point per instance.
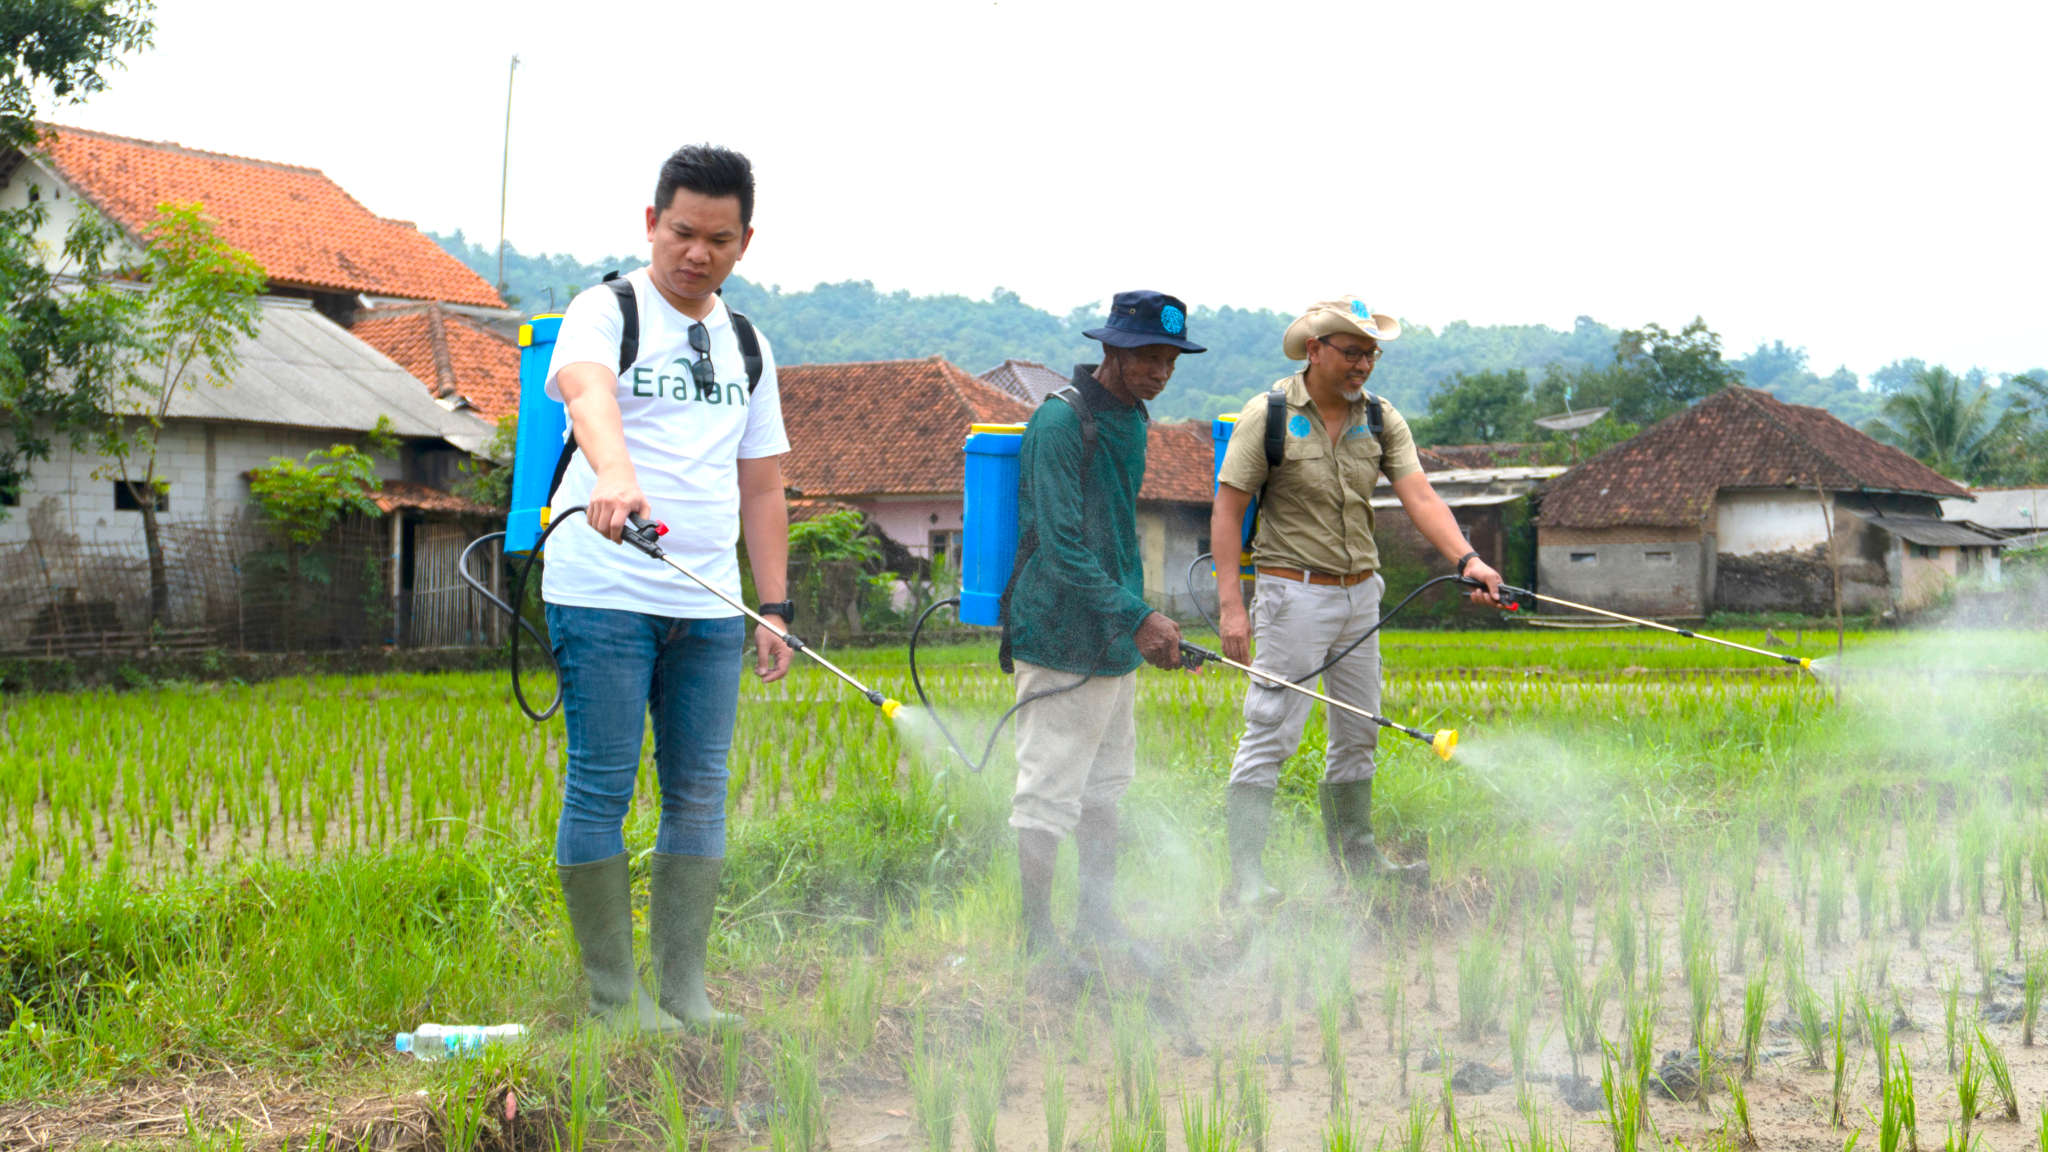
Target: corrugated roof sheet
(304, 371)
(300, 225)
(2007, 509)
(1027, 380)
(1929, 531)
(1736, 438)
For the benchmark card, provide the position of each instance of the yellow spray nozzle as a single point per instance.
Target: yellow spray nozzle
(1446, 739)
(1806, 662)
(889, 708)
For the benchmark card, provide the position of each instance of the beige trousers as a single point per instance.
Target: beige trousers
(1298, 626)
(1076, 749)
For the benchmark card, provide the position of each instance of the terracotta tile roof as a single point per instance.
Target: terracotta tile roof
(452, 354)
(884, 426)
(408, 494)
(1180, 463)
(295, 221)
(1027, 380)
(802, 510)
(1736, 438)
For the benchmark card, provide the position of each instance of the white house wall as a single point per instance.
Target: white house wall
(60, 205)
(1773, 520)
(203, 462)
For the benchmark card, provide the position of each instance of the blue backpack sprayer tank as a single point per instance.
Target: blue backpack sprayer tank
(543, 429)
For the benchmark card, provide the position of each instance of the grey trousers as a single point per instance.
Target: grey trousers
(1074, 749)
(1298, 626)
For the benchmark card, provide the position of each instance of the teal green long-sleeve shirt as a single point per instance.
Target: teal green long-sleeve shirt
(1080, 596)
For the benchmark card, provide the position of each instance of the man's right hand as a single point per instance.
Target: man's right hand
(615, 496)
(1158, 640)
(1235, 630)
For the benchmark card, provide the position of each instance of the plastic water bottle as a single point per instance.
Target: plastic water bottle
(438, 1041)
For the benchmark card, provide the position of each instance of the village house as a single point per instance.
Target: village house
(2007, 512)
(1730, 506)
(885, 437)
(306, 381)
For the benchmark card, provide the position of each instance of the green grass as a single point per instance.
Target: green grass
(283, 875)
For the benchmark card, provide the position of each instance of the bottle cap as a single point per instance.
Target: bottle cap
(403, 1041)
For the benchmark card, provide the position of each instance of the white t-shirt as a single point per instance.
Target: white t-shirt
(685, 445)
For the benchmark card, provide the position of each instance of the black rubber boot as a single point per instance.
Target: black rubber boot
(599, 897)
(1248, 816)
(1347, 827)
(1095, 923)
(682, 899)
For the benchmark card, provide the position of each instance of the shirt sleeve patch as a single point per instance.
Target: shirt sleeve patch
(1297, 425)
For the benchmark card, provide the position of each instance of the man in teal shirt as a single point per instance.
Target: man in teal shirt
(1076, 621)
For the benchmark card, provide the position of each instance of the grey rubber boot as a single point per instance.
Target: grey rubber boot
(1037, 855)
(682, 897)
(1095, 922)
(1248, 816)
(1347, 827)
(599, 897)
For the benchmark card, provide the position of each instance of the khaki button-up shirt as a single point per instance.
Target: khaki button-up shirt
(1317, 511)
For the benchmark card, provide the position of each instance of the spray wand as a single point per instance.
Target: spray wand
(645, 535)
(1511, 598)
(1441, 742)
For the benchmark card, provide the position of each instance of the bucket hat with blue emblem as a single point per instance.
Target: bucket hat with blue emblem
(1331, 317)
(1140, 318)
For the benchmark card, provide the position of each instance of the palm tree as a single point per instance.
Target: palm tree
(1954, 434)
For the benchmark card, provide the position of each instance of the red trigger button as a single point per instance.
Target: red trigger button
(660, 529)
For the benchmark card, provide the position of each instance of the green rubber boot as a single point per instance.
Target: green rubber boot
(682, 897)
(599, 897)
(1347, 828)
(1248, 816)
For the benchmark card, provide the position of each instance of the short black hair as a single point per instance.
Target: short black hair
(707, 170)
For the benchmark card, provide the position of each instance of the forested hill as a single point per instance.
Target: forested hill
(855, 321)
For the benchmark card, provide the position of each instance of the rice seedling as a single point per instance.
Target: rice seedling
(2033, 981)
(1969, 1085)
(1253, 1107)
(1390, 1000)
(1868, 904)
(1828, 903)
(1838, 1096)
(1414, 1136)
(2001, 1074)
(1446, 1067)
(988, 1070)
(1951, 997)
(1702, 983)
(1333, 1054)
(1206, 1124)
(1809, 1022)
(587, 1090)
(1053, 1093)
(1479, 985)
(1341, 1132)
(1738, 1110)
(1755, 1005)
(932, 1089)
(732, 1049)
(1519, 1021)
(797, 1122)
(1626, 1108)
(1898, 1128)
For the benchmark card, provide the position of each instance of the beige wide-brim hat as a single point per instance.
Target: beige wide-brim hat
(1330, 317)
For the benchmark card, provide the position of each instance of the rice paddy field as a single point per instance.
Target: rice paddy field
(1680, 897)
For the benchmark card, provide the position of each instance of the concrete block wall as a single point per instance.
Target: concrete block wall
(1637, 570)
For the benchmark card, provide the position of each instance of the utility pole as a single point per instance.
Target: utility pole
(505, 171)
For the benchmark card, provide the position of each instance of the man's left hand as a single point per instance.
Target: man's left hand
(772, 654)
(1490, 595)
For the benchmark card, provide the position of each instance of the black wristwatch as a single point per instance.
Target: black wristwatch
(1467, 558)
(783, 608)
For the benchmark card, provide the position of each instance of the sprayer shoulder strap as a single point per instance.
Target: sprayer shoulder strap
(1276, 441)
(1027, 545)
(629, 351)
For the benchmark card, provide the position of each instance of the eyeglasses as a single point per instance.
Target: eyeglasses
(1353, 355)
(701, 369)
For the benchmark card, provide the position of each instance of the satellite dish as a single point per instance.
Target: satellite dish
(1570, 421)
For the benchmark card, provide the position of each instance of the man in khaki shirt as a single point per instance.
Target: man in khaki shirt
(1318, 581)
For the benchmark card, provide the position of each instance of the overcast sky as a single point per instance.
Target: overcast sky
(1863, 179)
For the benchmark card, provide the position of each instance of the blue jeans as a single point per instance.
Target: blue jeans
(617, 669)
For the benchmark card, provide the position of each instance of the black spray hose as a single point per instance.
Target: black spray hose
(1326, 665)
(518, 590)
(988, 749)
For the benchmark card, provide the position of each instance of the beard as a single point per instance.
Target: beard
(1352, 395)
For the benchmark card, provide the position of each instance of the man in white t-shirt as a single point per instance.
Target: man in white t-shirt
(684, 435)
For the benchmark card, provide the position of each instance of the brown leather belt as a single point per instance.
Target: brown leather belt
(1301, 577)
